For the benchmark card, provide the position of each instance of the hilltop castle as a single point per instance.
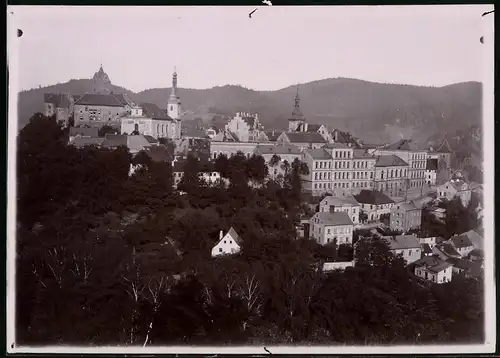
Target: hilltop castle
(101, 107)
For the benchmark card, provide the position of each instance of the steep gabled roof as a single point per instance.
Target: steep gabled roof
(461, 241)
(277, 149)
(333, 219)
(476, 239)
(137, 142)
(319, 154)
(153, 111)
(99, 99)
(339, 200)
(373, 197)
(234, 235)
(390, 161)
(114, 140)
(401, 242)
(305, 137)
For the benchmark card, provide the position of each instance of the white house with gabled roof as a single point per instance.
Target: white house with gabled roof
(346, 204)
(326, 227)
(228, 244)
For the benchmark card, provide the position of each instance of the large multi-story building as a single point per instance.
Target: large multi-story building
(363, 169)
(416, 158)
(391, 174)
(98, 109)
(342, 157)
(319, 180)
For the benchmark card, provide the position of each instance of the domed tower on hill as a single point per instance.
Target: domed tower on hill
(101, 82)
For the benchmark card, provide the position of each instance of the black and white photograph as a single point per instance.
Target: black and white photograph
(250, 180)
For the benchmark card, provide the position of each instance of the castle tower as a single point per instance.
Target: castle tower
(101, 82)
(297, 120)
(174, 103)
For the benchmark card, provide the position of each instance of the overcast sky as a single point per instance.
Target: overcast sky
(277, 47)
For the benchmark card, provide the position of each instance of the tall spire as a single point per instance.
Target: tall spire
(297, 113)
(173, 93)
(297, 98)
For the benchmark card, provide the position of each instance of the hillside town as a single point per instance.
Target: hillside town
(376, 186)
(201, 202)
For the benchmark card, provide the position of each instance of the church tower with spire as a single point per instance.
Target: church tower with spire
(297, 122)
(174, 103)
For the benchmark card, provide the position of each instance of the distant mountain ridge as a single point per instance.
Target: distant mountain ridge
(375, 112)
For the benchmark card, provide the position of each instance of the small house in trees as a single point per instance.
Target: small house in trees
(228, 244)
(433, 269)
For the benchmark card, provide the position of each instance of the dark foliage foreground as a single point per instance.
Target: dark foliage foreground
(104, 258)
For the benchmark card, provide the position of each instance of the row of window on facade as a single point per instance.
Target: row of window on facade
(338, 165)
(419, 156)
(340, 185)
(342, 154)
(230, 154)
(416, 165)
(393, 173)
(416, 175)
(337, 230)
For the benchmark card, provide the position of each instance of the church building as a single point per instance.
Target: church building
(297, 121)
(149, 119)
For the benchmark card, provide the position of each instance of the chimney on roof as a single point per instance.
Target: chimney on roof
(221, 235)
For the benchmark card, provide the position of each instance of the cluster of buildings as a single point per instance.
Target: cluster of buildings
(101, 107)
(338, 163)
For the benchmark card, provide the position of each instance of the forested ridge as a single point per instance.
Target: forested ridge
(104, 258)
